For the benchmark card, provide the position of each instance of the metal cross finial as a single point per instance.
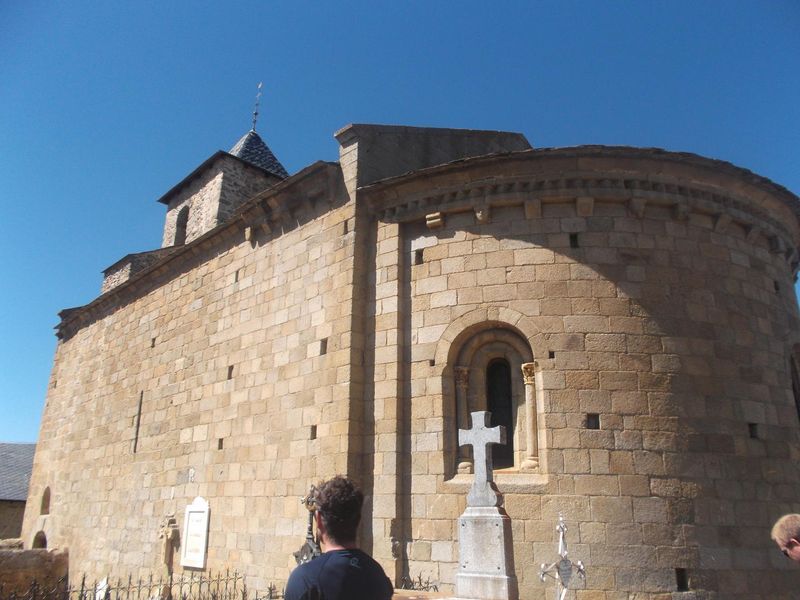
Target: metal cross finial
(258, 101)
(561, 570)
(310, 549)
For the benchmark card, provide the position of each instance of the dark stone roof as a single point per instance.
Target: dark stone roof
(141, 260)
(252, 149)
(16, 463)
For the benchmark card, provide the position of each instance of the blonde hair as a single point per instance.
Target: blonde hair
(786, 528)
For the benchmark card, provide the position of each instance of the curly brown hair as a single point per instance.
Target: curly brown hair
(339, 502)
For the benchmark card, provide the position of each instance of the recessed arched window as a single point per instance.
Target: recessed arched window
(45, 506)
(181, 222)
(492, 370)
(499, 402)
(40, 540)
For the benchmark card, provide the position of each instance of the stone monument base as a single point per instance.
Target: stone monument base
(486, 563)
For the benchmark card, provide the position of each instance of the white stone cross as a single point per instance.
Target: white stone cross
(483, 492)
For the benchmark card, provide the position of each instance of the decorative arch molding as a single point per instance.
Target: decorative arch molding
(494, 317)
(466, 352)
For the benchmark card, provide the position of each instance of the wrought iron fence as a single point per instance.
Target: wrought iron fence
(418, 584)
(192, 586)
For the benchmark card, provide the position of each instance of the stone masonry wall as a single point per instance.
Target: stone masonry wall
(673, 326)
(240, 182)
(647, 293)
(213, 196)
(119, 274)
(234, 372)
(18, 568)
(201, 196)
(11, 513)
(129, 266)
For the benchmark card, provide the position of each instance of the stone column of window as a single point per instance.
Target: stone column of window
(462, 416)
(531, 460)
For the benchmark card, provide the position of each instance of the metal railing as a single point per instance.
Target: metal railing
(418, 584)
(191, 586)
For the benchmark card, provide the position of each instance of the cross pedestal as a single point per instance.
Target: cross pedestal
(486, 554)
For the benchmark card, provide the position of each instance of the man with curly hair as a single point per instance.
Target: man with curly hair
(786, 533)
(342, 572)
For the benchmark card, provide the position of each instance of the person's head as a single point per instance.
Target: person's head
(338, 502)
(786, 533)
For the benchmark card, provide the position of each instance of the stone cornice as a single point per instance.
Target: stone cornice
(600, 186)
(599, 154)
(460, 187)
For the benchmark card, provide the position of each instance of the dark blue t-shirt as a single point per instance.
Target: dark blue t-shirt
(339, 575)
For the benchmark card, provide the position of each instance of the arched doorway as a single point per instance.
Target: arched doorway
(40, 540)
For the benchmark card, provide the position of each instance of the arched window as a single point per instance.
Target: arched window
(40, 540)
(493, 371)
(500, 404)
(181, 223)
(45, 506)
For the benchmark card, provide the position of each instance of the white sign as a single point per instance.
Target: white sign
(195, 534)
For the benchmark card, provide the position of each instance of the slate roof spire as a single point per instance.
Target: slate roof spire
(252, 149)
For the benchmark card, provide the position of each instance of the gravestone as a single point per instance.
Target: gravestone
(170, 539)
(486, 555)
(195, 534)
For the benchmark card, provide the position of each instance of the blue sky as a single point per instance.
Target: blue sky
(104, 106)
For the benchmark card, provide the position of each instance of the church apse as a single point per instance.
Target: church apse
(624, 312)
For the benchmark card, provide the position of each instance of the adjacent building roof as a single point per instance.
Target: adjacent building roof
(16, 463)
(252, 149)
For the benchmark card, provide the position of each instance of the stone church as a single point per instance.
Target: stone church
(628, 314)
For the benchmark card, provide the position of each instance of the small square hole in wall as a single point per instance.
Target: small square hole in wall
(573, 240)
(220, 444)
(432, 362)
(681, 580)
(777, 286)
(152, 342)
(753, 430)
(323, 346)
(236, 275)
(419, 257)
(551, 354)
(345, 228)
(230, 372)
(312, 434)
(592, 421)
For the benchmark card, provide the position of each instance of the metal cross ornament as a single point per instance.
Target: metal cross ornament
(562, 570)
(258, 102)
(310, 548)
